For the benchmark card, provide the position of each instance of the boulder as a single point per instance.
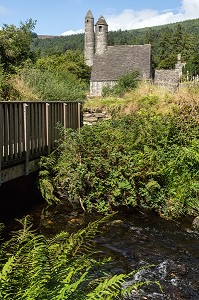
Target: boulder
(196, 223)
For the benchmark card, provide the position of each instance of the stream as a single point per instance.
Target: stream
(136, 240)
(133, 239)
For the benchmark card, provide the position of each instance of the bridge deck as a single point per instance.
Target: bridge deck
(29, 130)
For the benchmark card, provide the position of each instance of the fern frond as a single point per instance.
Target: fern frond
(135, 286)
(57, 269)
(108, 289)
(7, 268)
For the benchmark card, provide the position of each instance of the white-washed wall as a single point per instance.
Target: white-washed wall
(97, 86)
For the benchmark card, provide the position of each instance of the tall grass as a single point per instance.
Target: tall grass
(146, 96)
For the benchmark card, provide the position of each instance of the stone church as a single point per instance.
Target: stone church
(111, 62)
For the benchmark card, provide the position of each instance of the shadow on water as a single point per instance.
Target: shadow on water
(19, 197)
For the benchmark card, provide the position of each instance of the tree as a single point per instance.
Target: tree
(15, 45)
(192, 66)
(70, 62)
(164, 47)
(168, 63)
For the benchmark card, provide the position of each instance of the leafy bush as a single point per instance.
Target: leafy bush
(125, 83)
(147, 160)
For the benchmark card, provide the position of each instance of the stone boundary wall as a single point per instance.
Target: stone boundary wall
(167, 78)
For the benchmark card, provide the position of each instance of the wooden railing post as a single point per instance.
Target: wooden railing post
(1, 140)
(48, 140)
(26, 138)
(65, 114)
(79, 115)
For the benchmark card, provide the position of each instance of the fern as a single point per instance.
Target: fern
(63, 267)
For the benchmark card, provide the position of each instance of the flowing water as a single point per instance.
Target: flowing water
(135, 241)
(138, 240)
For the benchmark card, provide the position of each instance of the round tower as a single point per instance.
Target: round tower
(101, 36)
(89, 39)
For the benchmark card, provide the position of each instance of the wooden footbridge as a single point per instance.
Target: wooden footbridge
(28, 130)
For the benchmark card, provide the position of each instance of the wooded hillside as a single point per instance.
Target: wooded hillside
(167, 41)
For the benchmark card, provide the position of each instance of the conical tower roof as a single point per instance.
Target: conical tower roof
(89, 15)
(101, 21)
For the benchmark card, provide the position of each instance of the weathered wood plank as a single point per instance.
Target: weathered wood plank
(39, 128)
(48, 131)
(20, 136)
(16, 128)
(26, 138)
(6, 131)
(1, 140)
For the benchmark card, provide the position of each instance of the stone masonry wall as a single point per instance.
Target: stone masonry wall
(167, 78)
(97, 86)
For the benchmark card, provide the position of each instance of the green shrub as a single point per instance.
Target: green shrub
(125, 83)
(147, 160)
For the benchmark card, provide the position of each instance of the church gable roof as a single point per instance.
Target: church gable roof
(119, 60)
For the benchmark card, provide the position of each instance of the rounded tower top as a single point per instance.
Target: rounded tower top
(89, 15)
(101, 21)
(101, 36)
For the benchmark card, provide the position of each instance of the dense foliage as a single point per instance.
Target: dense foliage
(69, 62)
(15, 46)
(148, 160)
(61, 44)
(15, 51)
(63, 77)
(59, 268)
(58, 77)
(24, 75)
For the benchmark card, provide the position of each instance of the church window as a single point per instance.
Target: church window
(100, 28)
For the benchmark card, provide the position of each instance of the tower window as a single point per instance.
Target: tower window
(100, 28)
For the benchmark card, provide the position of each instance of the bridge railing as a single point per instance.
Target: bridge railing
(29, 129)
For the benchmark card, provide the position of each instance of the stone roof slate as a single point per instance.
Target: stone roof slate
(89, 14)
(119, 60)
(101, 21)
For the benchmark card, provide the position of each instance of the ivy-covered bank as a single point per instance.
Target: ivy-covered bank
(148, 160)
